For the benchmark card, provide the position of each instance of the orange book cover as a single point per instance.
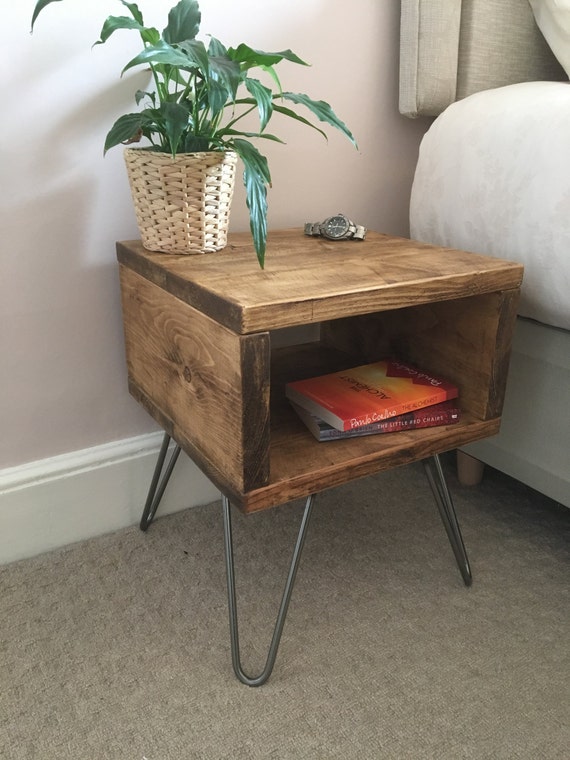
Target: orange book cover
(369, 393)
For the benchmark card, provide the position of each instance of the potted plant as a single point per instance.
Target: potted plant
(194, 112)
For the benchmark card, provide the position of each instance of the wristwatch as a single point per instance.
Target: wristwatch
(337, 227)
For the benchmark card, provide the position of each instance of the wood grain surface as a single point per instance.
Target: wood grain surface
(212, 383)
(198, 340)
(308, 280)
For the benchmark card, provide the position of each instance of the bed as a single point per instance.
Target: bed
(493, 176)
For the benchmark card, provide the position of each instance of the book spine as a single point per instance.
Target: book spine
(406, 407)
(393, 425)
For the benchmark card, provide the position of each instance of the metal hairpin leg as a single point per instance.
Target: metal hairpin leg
(157, 486)
(232, 604)
(444, 503)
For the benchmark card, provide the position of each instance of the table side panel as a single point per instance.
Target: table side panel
(255, 395)
(202, 376)
(171, 273)
(209, 467)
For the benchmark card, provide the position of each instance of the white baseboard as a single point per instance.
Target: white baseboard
(48, 504)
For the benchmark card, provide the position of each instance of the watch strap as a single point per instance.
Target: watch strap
(313, 228)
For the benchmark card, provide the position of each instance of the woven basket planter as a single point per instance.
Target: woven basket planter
(182, 204)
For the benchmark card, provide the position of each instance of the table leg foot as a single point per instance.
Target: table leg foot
(158, 485)
(446, 509)
(232, 603)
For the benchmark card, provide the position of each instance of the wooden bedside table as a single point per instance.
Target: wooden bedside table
(200, 360)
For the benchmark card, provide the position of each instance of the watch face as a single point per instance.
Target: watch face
(335, 227)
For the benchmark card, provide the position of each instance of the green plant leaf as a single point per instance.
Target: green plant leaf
(136, 14)
(197, 54)
(226, 71)
(256, 177)
(194, 144)
(113, 23)
(141, 94)
(264, 99)
(183, 22)
(322, 111)
(175, 120)
(218, 96)
(162, 53)
(40, 5)
(217, 48)
(255, 161)
(238, 133)
(249, 57)
(273, 74)
(221, 77)
(150, 35)
(294, 115)
(126, 128)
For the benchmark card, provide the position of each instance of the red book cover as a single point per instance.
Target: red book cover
(369, 393)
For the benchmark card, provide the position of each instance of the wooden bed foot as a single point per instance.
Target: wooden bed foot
(469, 469)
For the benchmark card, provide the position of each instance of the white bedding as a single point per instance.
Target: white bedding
(493, 177)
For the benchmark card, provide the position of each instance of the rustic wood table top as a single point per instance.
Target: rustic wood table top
(308, 280)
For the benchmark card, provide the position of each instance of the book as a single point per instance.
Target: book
(369, 393)
(446, 413)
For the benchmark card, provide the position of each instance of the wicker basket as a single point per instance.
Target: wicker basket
(182, 204)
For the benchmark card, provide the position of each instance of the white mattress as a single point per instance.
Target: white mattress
(493, 177)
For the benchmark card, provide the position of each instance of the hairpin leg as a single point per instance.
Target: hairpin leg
(157, 486)
(444, 503)
(232, 604)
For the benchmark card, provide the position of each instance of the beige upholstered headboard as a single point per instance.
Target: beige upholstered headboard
(452, 48)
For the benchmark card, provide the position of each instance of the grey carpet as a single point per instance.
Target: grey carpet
(117, 648)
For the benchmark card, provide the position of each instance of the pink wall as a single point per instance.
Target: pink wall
(62, 373)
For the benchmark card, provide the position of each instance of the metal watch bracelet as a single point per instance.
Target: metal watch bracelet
(314, 230)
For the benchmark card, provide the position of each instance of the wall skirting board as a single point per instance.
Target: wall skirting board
(54, 502)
